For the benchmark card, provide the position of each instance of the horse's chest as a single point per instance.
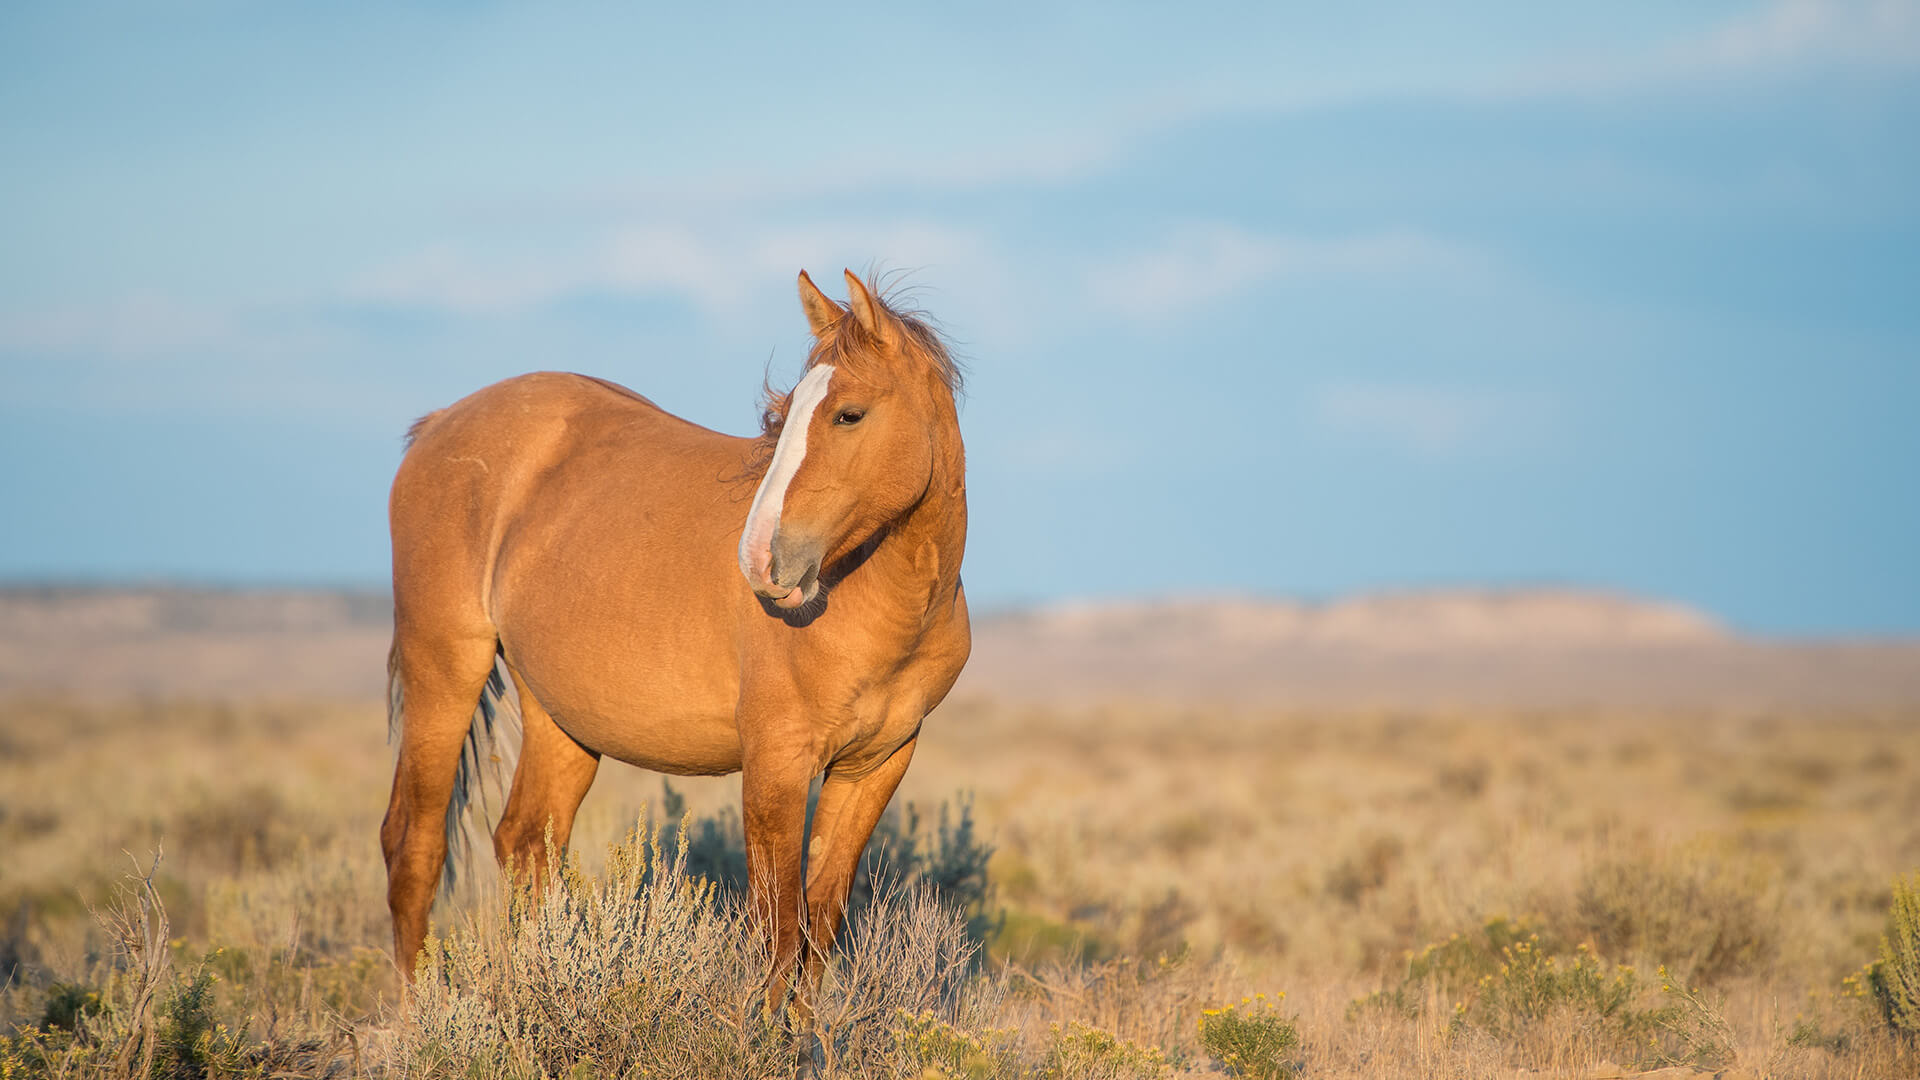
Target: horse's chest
(871, 732)
(887, 712)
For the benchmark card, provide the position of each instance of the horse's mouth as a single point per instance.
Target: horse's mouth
(799, 592)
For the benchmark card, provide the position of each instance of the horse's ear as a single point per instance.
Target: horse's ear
(821, 312)
(873, 317)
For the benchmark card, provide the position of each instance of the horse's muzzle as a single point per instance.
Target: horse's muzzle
(793, 570)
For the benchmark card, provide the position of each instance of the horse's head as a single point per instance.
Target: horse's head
(855, 445)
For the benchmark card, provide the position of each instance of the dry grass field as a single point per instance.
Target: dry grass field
(1150, 865)
(1174, 890)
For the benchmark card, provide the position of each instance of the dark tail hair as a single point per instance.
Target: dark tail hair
(487, 758)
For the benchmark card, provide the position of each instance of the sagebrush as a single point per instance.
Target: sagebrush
(1896, 976)
(1130, 865)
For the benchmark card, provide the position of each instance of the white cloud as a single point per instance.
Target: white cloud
(1205, 263)
(446, 279)
(721, 269)
(139, 324)
(1431, 421)
(1056, 160)
(1782, 36)
(1799, 31)
(156, 354)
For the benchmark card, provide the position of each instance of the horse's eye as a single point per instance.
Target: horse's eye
(849, 417)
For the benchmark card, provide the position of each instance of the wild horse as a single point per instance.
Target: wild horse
(595, 545)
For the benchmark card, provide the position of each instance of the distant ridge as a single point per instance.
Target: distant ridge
(1396, 619)
(1466, 648)
(174, 608)
(163, 640)
(1547, 647)
(1411, 619)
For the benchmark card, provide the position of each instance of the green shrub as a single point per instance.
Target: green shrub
(1031, 939)
(1810, 1035)
(948, 858)
(924, 1043)
(716, 845)
(1895, 978)
(191, 1042)
(1453, 967)
(67, 1005)
(1680, 1029)
(1518, 1003)
(1700, 915)
(1083, 1052)
(904, 853)
(1251, 1039)
(1463, 960)
(1531, 985)
(1509, 985)
(150, 1022)
(1607, 1010)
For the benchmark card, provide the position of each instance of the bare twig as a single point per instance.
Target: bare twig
(136, 922)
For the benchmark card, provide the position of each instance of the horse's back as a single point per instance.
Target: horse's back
(516, 418)
(476, 468)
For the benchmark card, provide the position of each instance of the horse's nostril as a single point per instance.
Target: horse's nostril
(783, 576)
(791, 561)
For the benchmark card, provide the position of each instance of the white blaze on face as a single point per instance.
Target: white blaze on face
(756, 542)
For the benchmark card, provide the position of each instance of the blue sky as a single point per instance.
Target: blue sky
(1268, 298)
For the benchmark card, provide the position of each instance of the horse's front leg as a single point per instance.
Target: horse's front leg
(850, 806)
(775, 774)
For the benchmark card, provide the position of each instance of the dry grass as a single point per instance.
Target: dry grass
(1152, 864)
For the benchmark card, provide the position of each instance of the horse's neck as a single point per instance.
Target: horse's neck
(918, 563)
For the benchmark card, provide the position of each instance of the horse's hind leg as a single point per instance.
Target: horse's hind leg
(440, 681)
(553, 776)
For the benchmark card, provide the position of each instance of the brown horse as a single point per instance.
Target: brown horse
(595, 544)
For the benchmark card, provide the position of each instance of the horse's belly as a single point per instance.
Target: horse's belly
(665, 717)
(682, 745)
(640, 668)
(678, 737)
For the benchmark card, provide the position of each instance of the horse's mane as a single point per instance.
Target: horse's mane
(847, 345)
(414, 429)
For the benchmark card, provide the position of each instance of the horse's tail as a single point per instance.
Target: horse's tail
(487, 758)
